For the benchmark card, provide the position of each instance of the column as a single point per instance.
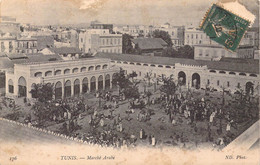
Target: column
(63, 88)
(97, 84)
(88, 91)
(80, 87)
(72, 89)
(28, 89)
(104, 82)
(15, 88)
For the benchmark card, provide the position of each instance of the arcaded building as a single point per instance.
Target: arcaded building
(70, 78)
(228, 73)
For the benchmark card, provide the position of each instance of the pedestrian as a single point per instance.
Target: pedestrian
(228, 127)
(150, 139)
(153, 141)
(101, 122)
(141, 134)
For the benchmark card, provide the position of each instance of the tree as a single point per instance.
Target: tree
(164, 36)
(170, 52)
(148, 77)
(127, 44)
(121, 80)
(148, 94)
(186, 52)
(43, 92)
(169, 86)
(133, 75)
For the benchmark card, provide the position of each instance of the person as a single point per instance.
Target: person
(65, 115)
(228, 127)
(102, 122)
(150, 139)
(141, 134)
(153, 141)
(69, 115)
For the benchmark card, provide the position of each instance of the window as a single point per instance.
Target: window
(208, 82)
(196, 36)
(238, 85)
(154, 75)
(228, 84)
(218, 83)
(191, 36)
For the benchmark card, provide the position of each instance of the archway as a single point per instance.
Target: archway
(93, 84)
(114, 85)
(22, 90)
(100, 82)
(33, 92)
(76, 87)
(10, 86)
(182, 78)
(107, 81)
(85, 85)
(196, 80)
(58, 90)
(67, 89)
(249, 88)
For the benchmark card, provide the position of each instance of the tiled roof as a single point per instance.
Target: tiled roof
(252, 67)
(6, 62)
(44, 42)
(149, 43)
(16, 55)
(66, 50)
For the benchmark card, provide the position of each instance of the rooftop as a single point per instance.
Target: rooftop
(229, 65)
(66, 50)
(7, 62)
(149, 43)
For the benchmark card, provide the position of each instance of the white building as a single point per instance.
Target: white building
(229, 74)
(70, 78)
(216, 52)
(100, 40)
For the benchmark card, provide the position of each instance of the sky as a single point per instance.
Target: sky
(146, 12)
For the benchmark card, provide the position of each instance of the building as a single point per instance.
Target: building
(149, 46)
(70, 78)
(135, 30)
(99, 25)
(228, 73)
(44, 42)
(9, 25)
(216, 52)
(99, 40)
(26, 45)
(195, 36)
(176, 33)
(67, 53)
(8, 43)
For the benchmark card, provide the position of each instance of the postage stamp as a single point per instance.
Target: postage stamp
(224, 27)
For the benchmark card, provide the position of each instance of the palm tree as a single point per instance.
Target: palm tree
(43, 92)
(169, 87)
(121, 80)
(148, 77)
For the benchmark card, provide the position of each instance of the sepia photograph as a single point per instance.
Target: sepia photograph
(135, 82)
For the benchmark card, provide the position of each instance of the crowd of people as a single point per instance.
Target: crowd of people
(106, 126)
